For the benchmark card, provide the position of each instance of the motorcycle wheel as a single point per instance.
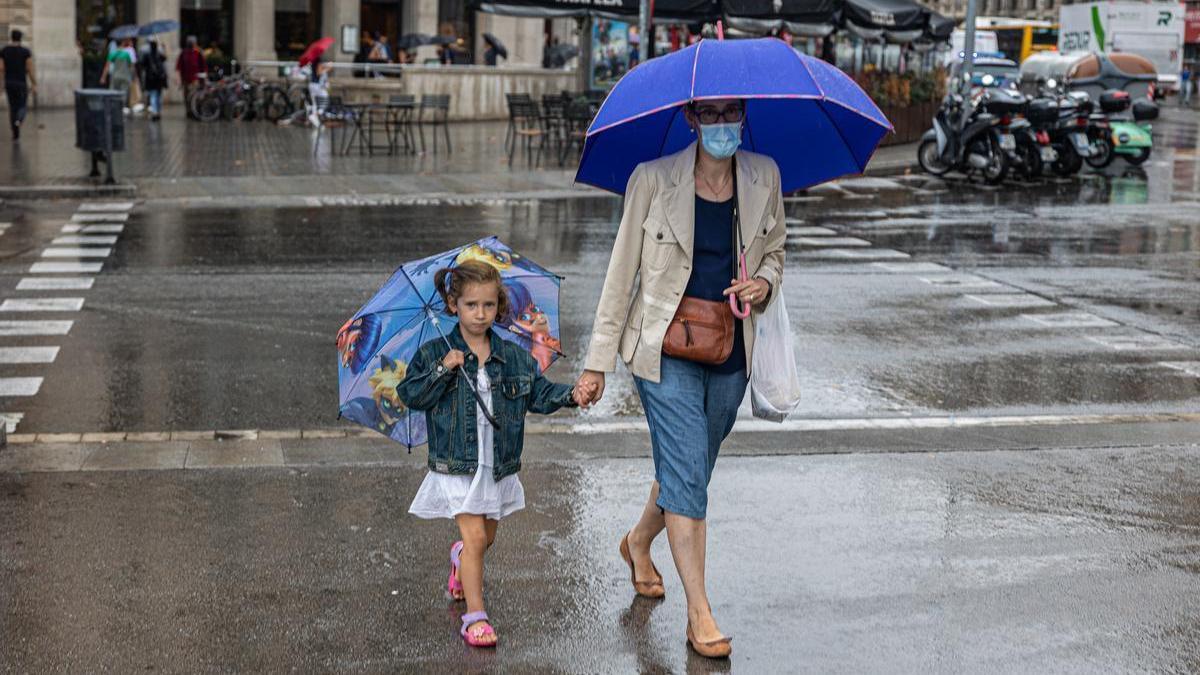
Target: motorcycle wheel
(997, 169)
(1031, 158)
(1138, 159)
(208, 107)
(1103, 156)
(930, 159)
(1069, 162)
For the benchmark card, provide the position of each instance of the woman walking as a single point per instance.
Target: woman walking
(154, 72)
(688, 219)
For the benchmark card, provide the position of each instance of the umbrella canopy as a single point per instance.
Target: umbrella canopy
(160, 26)
(811, 118)
(891, 15)
(129, 30)
(376, 345)
(496, 44)
(315, 50)
(413, 40)
(939, 28)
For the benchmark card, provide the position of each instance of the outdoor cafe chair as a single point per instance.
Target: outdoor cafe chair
(510, 131)
(578, 118)
(399, 121)
(333, 115)
(528, 126)
(435, 112)
(554, 121)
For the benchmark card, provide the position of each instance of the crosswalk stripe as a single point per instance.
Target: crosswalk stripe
(10, 420)
(28, 354)
(10, 328)
(92, 229)
(66, 267)
(92, 207)
(76, 252)
(20, 386)
(100, 217)
(55, 283)
(93, 239)
(41, 305)
(829, 241)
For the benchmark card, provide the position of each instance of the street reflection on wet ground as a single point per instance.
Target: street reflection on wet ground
(908, 296)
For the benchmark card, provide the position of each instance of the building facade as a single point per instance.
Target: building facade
(69, 37)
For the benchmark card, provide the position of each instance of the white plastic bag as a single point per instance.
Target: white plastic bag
(774, 382)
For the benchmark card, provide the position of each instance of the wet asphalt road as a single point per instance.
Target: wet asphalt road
(1054, 561)
(210, 318)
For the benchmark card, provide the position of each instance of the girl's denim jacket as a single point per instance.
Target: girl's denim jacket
(449, 405)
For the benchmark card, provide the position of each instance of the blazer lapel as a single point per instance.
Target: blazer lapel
(680, 199)
(752, 200)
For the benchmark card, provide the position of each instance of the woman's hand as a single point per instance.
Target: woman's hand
(753, 291)
(453, 359)
(590, 386)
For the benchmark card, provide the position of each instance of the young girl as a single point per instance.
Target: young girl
(473, 466)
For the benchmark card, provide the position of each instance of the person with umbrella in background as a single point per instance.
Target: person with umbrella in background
(190, 65)
(154, 77)
(495, 50)
(703, 143)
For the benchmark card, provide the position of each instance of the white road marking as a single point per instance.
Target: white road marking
(41, 305)
(810, 231)
(829, 241)
(69, 228)
(8, 328)
(909, 268)
(20, 386)
(100, 217)
(11, 420)
(92, 229)
(850, 253)
(86, 239)
(1070, 320)
(93, 207)
(55, 283)
(1010, 300)
(961, 281)
(1128, 343)
(28, 354)
(76, 252)
(1190, 367)
(66, 267)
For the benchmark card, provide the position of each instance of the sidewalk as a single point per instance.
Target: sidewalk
(179, 159)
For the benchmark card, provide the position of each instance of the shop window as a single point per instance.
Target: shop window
(211, 21)
(93, 20)
(297, 24)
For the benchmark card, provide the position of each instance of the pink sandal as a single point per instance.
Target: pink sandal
(474, 637)
(453, 586)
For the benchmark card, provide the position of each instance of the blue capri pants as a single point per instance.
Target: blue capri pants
(690, 411)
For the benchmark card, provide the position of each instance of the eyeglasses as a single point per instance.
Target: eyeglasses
(711, 115)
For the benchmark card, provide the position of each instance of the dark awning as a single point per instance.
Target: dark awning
(939, 27)
(892, 15)
(664, 10)
(795, 11)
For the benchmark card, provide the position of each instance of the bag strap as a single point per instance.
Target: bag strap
(736, 235)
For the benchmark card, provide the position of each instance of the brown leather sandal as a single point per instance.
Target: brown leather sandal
(646, 589)
(716, 649)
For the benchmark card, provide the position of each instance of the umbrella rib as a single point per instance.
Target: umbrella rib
(695, 62)
(662, 146)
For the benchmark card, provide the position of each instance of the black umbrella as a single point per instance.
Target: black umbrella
(496, 44)
(413, 40)
(563, 53)
(442, 40)
(129, 30)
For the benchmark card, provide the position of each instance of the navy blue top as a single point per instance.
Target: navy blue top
(712, 268)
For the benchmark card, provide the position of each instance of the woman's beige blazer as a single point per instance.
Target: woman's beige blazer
(652, 256)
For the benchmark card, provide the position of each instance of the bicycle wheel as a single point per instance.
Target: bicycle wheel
(207, 106)
(275, 105)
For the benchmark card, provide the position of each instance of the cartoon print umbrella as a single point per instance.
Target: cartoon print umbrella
(376, 345)
(810, 117)
(315, 50)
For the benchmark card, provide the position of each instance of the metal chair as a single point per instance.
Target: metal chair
(510, 132)
(528, 125)
(332, 113)
(400, 109)
(437, 107)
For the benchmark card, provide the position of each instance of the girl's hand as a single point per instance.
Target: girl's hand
(591, 385)
(453, 359)
(753, 291)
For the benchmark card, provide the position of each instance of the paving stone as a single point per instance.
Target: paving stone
(33, 457)
(137, 456)
(15, 439)
(148, 436)
(236, 434)
(192, 435)
(322, 433)
(279, 434)
(104, 437)
(217, 454)
(58, 438)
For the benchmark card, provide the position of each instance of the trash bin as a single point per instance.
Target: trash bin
(100, 126)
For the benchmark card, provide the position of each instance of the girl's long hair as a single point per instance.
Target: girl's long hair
(452, 281)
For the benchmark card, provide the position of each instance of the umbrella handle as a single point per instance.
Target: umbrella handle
(478, 399)
(744, 310)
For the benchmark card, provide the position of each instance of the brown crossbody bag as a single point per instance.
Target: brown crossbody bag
(702, 330)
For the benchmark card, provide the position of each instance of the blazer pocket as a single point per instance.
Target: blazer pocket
(658, 244)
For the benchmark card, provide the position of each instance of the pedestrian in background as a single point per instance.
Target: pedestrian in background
(1185, 85)
(472, 475)
(673, 266)
(16, 62)
(154, 77)
(118, 71)
(190, 65)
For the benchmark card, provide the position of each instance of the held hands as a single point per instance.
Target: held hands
(453, 359)
(589, 388)
(752, 291)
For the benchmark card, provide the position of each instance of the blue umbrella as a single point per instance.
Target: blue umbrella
(160, 26)
(377, 343)
(810, 117)
(121, 32)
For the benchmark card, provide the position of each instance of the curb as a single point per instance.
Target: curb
(31, 192)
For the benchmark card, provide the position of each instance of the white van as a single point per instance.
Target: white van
(985, 41)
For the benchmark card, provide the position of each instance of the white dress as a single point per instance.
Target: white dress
(444, 495)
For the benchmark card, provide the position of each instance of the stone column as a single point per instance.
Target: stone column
(157, 10)
(254, 30)
(334, 15)
(421, 16)
(56, 61)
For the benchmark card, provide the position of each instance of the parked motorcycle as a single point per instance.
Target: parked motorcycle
(977, 148)
(1129, 138)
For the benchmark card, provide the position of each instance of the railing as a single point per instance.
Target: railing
(287, 68)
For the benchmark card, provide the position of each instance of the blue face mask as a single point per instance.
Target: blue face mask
(721, 140)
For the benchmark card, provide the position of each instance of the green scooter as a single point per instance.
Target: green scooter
(1131, 139)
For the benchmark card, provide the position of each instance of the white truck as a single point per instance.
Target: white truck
(1150, 29)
